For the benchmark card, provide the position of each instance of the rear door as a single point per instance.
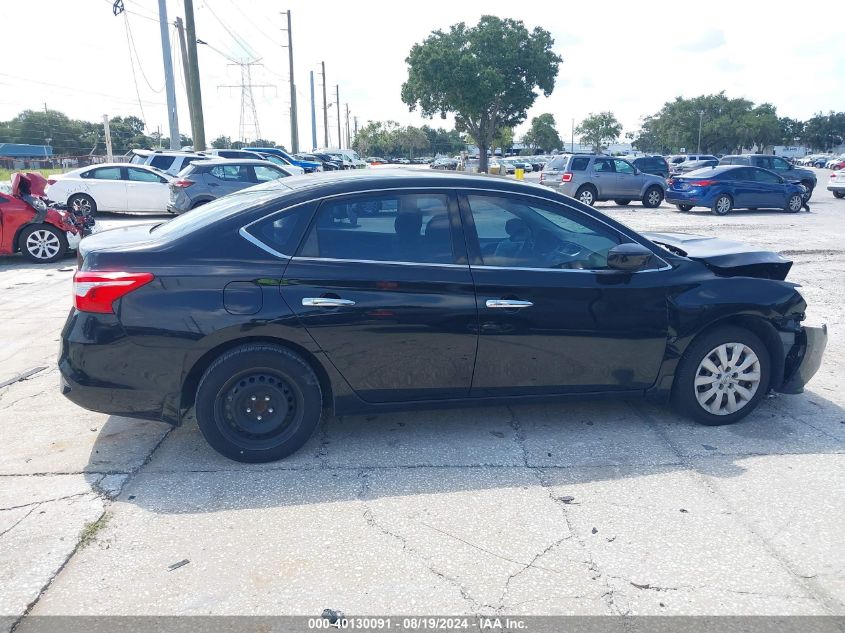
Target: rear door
(553, 318)
(107, 187)
(146, 191)
(603, 176)
(382, 284)
(225, 179)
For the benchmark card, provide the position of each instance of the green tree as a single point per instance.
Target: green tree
(824, 131)
(222, 142)
(262, 142)
(377, 138)
(503, 140)
(599, 130)
(411, 139)
(442, 141)
(542, 134)
(485, 75)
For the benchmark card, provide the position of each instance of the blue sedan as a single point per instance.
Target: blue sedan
(729, 187)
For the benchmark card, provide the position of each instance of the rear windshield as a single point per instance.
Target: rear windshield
(137, 159)
(219, 209)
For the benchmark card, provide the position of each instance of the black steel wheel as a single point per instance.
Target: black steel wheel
(258, 403)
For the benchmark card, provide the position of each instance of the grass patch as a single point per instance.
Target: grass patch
(6, 174)
(90, 531)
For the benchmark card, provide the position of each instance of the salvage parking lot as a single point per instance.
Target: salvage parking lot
(588, 508)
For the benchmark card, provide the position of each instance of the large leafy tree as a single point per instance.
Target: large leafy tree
(599, 130)
(486, 75)
(222, 142)
(542, 134)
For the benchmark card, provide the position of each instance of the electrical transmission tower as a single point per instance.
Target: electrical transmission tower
(249, 128)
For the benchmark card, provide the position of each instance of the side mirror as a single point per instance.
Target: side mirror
(628, 257)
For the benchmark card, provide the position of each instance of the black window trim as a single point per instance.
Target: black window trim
(457, 191)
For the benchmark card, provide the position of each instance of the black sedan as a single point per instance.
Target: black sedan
(267, 306)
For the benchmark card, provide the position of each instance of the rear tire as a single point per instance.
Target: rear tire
(723, 396)
(258, 403)
(622, 202)
(684, 208)
(653, 197)
(82, 203)
(586, 194)
(42, 243)
(722, 205)
(839, 194)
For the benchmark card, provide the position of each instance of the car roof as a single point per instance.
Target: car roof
(232, 161)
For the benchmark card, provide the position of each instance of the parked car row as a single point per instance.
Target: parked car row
(823, 160)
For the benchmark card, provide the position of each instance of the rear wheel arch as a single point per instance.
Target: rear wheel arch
(192, 378)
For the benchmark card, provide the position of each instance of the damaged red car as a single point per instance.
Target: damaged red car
(41, 230)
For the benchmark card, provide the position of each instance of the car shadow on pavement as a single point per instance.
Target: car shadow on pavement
(455, 450)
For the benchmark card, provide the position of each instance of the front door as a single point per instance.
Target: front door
(552, 317)
(629, 182)
(108, 188)
(603, 176)
(382, 284)
(146, 191)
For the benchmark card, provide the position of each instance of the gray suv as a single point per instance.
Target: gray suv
(781, 167)
(208, 180)
(593, 177)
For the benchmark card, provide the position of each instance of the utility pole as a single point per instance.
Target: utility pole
(170, 86)
(294, 127)
(313, 116)
(180, 28)
(348, 140)
(700, 118)
(107, 132)
(337, 107)
(572, 138)
(194, 74)
(355, 118)
(325, 110)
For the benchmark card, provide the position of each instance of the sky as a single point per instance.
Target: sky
(625, 57)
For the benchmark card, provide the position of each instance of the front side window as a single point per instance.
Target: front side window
(761, 175)
(233, 173)
(515, 233)
(779, 164)
(265, 174)
(623, 167)
(404, 228)
(142, 175)
(603, 165)
(163, 162)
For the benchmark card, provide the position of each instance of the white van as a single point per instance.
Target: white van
(350, 156)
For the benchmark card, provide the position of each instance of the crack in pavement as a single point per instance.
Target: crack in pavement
(810, 586)
(19, 521)
(369, 518)
(37, 503)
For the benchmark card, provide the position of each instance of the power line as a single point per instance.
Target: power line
(254, 25)
(72, 89)
(135, 80)
(131, 43)
(238, 40)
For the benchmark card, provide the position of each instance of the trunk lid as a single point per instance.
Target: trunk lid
(126, 239)
(725, 257)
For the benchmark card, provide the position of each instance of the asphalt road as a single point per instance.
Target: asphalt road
(590, 508)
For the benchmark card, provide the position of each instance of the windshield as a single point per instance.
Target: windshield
(219, 209)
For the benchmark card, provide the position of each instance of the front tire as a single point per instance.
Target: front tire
(653, 197)
(722, 377)
(622, 202)
(42, 243)
(586, 194)
(839, 194)
(684, 208)
(258, 403)
(794, 203)
(809, 186)
(722, 205)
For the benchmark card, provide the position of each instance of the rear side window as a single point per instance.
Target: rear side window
(103, 173)
(405, 228)
(233, 173)
(579, 163)
(137, 159)
(282, 231)
(162, 162)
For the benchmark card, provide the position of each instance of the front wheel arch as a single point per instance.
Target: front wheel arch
(190, 383)
(759, 326)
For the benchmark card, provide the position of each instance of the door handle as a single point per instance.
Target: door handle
(508, 303)
(326, 302)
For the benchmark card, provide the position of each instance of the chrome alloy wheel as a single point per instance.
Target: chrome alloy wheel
(43, 244)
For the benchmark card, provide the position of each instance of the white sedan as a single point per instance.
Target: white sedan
(112, 187)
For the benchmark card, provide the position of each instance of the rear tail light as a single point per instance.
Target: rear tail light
(702, 183)
(567, 177)
(182, 183)
(542, 177)
(97, 291)
(51, 181)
